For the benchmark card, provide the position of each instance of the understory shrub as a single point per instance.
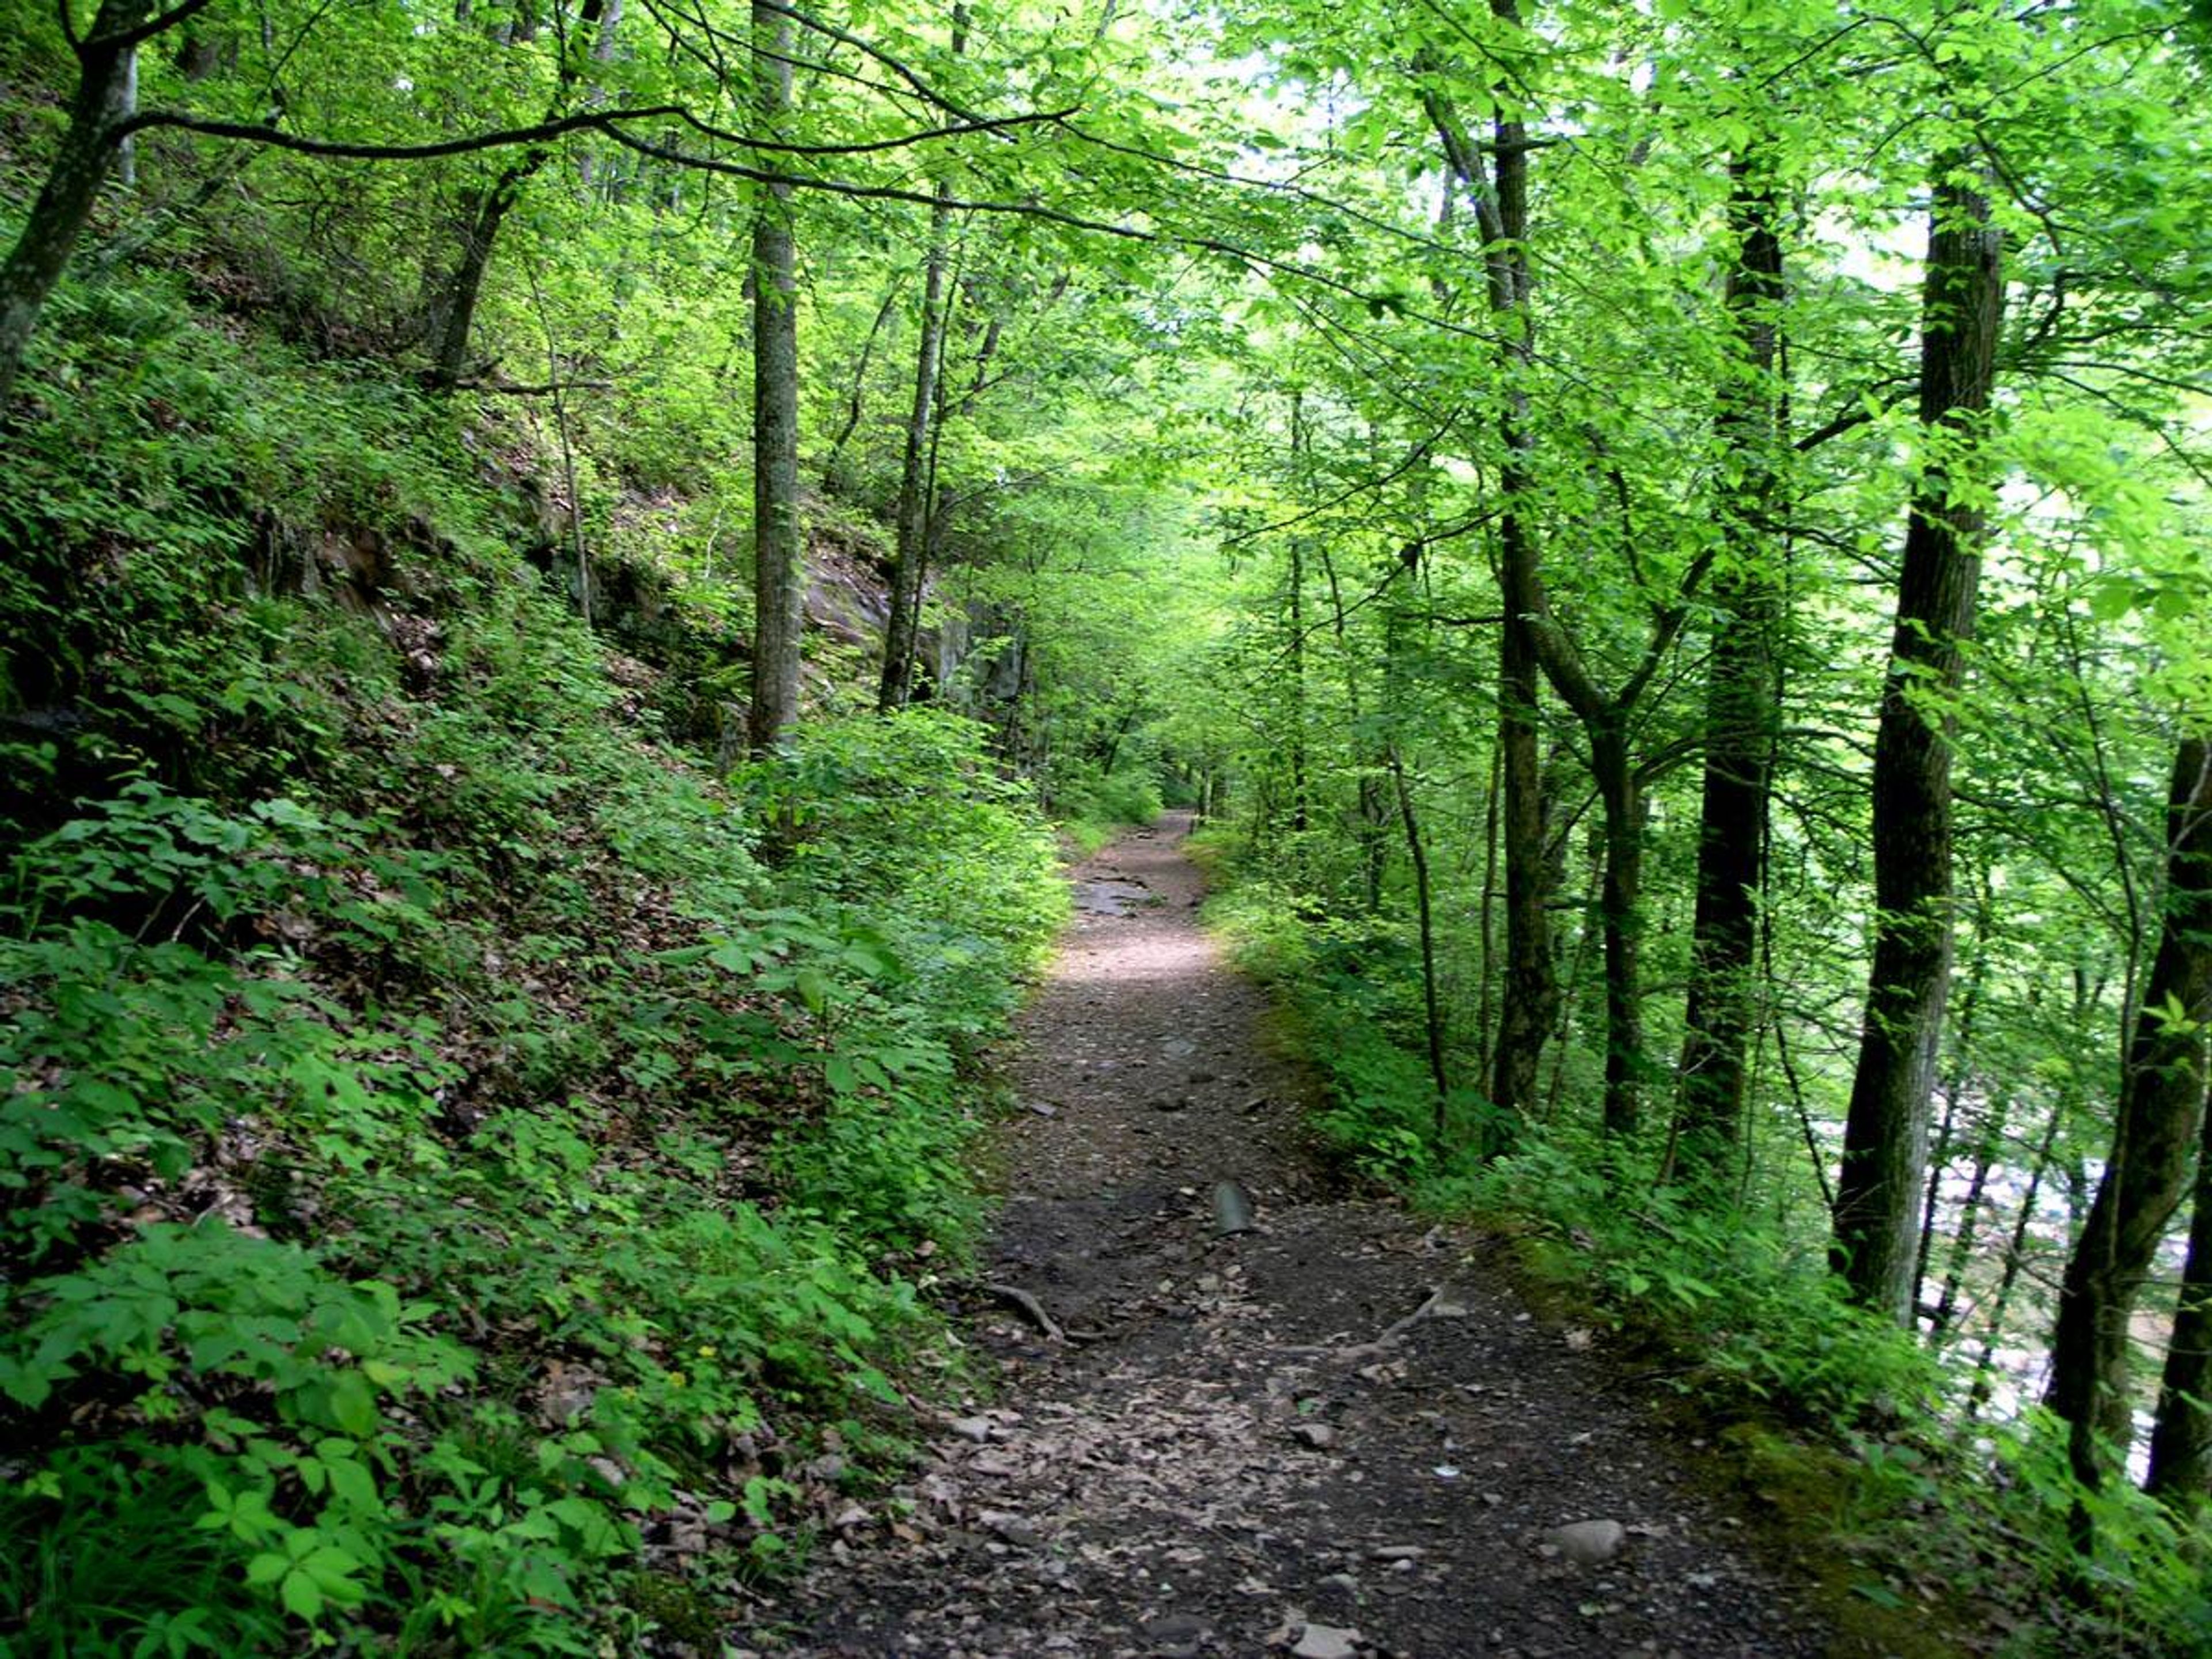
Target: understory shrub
(455, 1146)
(1846, 1422)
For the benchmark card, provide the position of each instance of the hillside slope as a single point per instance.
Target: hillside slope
(467, 1166)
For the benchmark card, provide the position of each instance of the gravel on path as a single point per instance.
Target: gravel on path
(1333, 1432)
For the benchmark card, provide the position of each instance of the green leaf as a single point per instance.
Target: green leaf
(352, 1404)
(302, 1596)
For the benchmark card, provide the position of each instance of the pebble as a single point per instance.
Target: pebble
(1178, 1635)
(1588, 1543)
(1327, 1642)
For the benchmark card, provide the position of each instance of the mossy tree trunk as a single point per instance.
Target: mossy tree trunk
(779, 558)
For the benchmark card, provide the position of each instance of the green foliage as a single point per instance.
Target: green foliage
(2140, 1585)
(932, 883)
(1092, 807)
(1348, 983)
(437, 1139)
(1754, 1306)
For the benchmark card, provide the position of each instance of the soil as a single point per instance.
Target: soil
(1337, 1432)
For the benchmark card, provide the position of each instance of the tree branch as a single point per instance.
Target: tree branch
(831, 31)
(123, 40)
(604, 121)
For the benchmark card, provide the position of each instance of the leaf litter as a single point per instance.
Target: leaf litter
(1328, 1431)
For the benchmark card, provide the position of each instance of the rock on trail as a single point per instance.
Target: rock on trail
(1320, 1430)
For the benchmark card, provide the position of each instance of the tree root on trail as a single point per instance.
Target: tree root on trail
(1358, 1352)
(1031, 1308)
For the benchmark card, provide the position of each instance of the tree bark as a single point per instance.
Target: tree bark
(1530, 992)
(456, 311)
(1886, 1135)
(455, 316)
(911, 531)
(104, 93)
(1740, 710)
(2181, 1434)
(2161, 1097)
(779, 560)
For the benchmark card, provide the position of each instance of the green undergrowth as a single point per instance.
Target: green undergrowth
(1091, 808)
(462, 1161)
(1919, 1524)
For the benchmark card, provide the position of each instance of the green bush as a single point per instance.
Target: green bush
(451, 1131)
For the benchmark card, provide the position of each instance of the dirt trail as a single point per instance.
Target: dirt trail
(1220, 1457)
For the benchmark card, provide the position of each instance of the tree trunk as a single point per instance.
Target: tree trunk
(2015, 1255)
(2181, 1434)
(1301, 800)
(911, 522)
(856, 405)
(1619, 898)
(1721, 1014)
(454, 315)
(1485, 987)
(64, 203)
(1886, 1135)
(1986, 1147)
(456, 311)
(1432, 1019)
(1530, 992)
(912, 519)
(2161, 1096)
(1954, 1088)
(779, 562)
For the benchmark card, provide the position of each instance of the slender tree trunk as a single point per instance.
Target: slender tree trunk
(1300, 797)
(1954, 1087)
(779, 560)
(2181, 1434)
(1886, 1134)
(454, 315)
(1620, 896)
(1969, 1220)
(1370, 760)
(2161, 1097)
(855, 404)
(1530, 994)
(1301, 803)
(2015, 1256)
(1740, 700)
(1432, 1003)
(911, 520)
(1484, 990)
(105, 90)
(126, 153)
(456, 310)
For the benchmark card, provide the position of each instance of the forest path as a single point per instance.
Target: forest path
(1223, 1459)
